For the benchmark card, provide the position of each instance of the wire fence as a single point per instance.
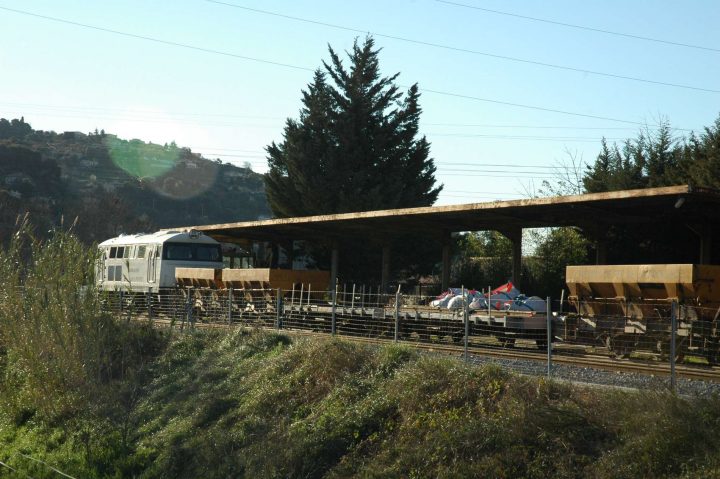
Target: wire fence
(535, 337)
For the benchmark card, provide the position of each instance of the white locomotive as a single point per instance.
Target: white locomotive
(147, 262)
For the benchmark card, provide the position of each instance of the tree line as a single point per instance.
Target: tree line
(356, 146)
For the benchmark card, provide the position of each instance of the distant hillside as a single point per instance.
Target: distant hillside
(113, 185)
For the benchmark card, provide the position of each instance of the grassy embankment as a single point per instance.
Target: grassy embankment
(94, 397)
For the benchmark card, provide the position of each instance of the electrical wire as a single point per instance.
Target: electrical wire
(134, 110)
(467, 50)
(580, 27)
(165, 113)
(157, 40)
(521, 137)
(46, 464)
(431, 134)
(296, 67)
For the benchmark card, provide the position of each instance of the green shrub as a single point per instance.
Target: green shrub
(59, 346)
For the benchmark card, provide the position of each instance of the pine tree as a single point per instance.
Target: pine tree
(355, 145)
(597, 176)
(703, 156)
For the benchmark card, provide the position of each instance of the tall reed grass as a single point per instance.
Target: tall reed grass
(56, 341)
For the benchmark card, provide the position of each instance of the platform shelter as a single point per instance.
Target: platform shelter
(684, 206)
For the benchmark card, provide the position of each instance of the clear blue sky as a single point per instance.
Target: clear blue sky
(66, 77)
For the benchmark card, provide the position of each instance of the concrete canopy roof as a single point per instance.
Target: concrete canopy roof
(591, 212)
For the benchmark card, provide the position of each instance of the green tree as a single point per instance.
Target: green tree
(355, 145)
(554, 252)
(703, 156)
(482, 258)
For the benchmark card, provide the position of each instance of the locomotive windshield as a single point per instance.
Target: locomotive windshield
(192, 252)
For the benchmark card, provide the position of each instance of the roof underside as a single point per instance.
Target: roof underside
(592, 212)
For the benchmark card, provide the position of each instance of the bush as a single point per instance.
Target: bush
(58, 344)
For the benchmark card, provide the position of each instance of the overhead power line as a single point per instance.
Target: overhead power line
(529, 107)
(135, 111)
(495, 193)
(467, 50)
(495, 165)
(522, 137)
(561, 127)
(70, 108)
(286, 65)
(581, 27)
(522, 172)
(157, 40)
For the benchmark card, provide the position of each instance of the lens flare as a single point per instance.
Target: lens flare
(168, 170)
(140, 159)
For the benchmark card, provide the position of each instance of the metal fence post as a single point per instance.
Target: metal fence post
(149, 304)
(548, 313)
(466, 321)
(488, 301)
(188, 306)
(333, 324)
(673, 335)
(397, 315)
(230, 305)
(278, 304)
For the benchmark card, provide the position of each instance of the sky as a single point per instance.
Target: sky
(510, 91)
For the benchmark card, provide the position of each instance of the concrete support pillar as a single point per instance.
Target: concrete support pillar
(601, 252)
(705, 245)
(385, 271)
(517, 260)
(288, 247)
(705, 234)
(597, 233)
(334, 258)
(515, 237)
(445, 275)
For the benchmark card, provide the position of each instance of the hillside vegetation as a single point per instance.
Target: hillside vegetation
(252, 404)
(113, 185)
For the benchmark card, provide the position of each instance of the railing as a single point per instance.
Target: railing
(658, 342)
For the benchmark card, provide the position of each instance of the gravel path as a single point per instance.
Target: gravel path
(600, 377)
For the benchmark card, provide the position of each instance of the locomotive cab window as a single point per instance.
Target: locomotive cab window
(177, 251)
(141, 251)
(207, 252)
(113, 252)
(192, 252)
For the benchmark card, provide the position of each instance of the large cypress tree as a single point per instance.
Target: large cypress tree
(355, 146)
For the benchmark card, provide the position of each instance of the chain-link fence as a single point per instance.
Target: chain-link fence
(535, 336)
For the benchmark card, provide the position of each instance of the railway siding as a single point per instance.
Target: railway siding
(376, 319)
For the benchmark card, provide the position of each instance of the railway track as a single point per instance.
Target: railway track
(596, 361)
